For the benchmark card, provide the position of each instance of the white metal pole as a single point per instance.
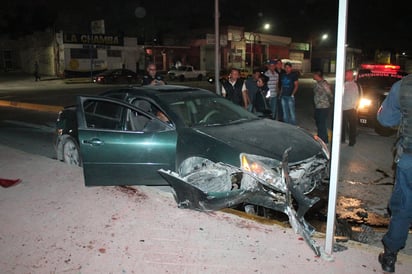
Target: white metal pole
(337, 123)
(217, 47)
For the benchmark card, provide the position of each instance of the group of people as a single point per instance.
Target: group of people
(271, 93)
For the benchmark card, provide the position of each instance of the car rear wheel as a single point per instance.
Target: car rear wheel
(384, 131)
(181, 78)
(200, 77)
(71, 152)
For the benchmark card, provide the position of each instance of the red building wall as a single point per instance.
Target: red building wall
(278, 52)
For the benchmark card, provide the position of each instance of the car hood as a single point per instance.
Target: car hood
(263, 137)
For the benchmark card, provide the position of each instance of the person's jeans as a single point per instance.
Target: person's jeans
(400, 205)
(321, 118)
(273, 104)
(288, 106)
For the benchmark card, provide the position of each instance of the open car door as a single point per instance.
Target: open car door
(120, 144)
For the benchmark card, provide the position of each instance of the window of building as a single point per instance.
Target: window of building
(83, 53)
(114, 53)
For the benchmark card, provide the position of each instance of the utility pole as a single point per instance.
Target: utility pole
(217, 47)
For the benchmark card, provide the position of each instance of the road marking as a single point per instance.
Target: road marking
(45, 128)
(39, 107)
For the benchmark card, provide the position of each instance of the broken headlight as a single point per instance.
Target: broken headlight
(267, 170)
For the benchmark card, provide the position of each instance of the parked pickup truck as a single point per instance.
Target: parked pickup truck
(186, 72)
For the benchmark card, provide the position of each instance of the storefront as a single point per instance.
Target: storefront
(82, 54)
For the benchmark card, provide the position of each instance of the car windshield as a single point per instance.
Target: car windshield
(378, 80)
(206, 110)
(382, 82)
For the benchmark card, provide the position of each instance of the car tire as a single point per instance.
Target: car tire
(181, 78)
(200, 77)
(71, 152)
(384, 131)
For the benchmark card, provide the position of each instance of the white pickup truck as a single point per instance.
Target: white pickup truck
(186, 72)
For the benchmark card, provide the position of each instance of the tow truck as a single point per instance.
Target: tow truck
(375, 82)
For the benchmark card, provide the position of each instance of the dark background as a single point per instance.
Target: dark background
(372, 24)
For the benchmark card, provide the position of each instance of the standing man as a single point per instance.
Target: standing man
(322, 99)
(273, 85)
(235, 89)
(349, 105)
(251, 86)
(395, 111)
(289, 86)
(152, 77)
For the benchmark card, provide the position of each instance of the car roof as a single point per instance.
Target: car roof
(159, 91)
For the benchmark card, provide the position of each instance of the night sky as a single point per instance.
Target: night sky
(373, 24)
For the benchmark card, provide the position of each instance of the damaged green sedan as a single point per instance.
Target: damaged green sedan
(214, 153)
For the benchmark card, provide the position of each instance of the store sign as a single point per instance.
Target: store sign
(95, 39)
(210, 40)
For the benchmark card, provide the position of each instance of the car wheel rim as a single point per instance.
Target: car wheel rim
(71, 154)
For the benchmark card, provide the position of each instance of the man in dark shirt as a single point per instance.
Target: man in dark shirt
(152, 77)
(289, 86)
(235, 89)
(251, 86)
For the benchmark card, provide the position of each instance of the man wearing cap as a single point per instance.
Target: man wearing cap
(273, 85)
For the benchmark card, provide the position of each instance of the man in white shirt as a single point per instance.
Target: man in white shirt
(273, 85)
(349, 106)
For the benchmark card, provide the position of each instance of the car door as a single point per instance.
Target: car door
(122, 145)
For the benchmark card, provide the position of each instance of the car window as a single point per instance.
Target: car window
(207, 110)
(113, 116)
(369, 79)
(102, 114)
(136, 121)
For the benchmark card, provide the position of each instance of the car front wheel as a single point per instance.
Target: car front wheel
(71, 152)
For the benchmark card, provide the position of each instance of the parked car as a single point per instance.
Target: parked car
(186, 72)
(116, 76)
(375, 81)
(120, 139)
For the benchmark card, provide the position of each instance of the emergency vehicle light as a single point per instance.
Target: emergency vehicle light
(380, 67)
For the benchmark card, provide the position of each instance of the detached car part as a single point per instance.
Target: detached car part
(204, 185)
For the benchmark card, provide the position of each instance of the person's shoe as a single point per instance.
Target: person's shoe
(351, 144)
(387, 260)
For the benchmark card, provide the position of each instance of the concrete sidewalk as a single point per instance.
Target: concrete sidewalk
(52, 223)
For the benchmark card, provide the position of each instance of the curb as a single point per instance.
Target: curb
(31, 106)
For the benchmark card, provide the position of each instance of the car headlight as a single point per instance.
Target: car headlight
(264, 169)
(365, 103)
